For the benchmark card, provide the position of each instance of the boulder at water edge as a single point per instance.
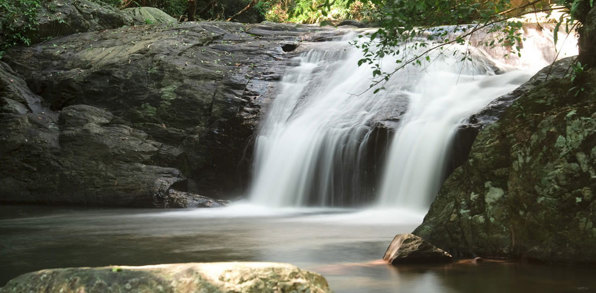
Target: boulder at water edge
(188, 277)
(528, 187)
(411, 249)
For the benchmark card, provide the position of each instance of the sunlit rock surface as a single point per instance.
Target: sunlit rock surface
(527, 189)
(189, 277)
(411, 249)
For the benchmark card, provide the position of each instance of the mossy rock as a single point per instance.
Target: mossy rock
(148, 15)
(527, 188)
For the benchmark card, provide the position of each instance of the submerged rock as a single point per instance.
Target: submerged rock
(411, 249)
(527, 189)
(188, 277)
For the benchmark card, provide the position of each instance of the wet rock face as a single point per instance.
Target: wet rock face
(77, 156)
(527, 189)
(411, 249)
(184, 99)
(189, 277)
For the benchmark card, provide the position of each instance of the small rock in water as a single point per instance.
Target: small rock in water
(411, 249)
(181, 199)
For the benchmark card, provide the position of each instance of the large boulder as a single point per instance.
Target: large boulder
(189, 277)
(467, 132)
(79, 155)
(55, 18)
(527, 189)
(65, 17)
(184, 99)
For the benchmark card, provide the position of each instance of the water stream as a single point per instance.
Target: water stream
(345, 245)
(314, 146)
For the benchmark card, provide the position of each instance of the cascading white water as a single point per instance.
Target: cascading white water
(312, 146)
(439, 102)
(311, 143)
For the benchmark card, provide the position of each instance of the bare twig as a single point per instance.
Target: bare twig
(478, 27)
(251, 4)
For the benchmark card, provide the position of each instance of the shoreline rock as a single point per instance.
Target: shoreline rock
(408, 249)
(185, 277)
(527, 189)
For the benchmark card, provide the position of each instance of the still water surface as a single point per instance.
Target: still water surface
(343, 245)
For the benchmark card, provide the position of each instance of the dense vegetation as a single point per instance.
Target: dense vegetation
(298, 11)
(17, 19)
(400, 22)
(407, 22)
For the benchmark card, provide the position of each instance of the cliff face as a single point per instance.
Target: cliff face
(528, 187)
(119, 116)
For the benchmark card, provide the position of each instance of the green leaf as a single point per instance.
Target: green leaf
(556, 30)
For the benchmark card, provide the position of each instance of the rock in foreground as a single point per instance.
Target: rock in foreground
(189, 277)
(411, 249)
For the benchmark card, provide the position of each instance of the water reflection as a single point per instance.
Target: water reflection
(344, 245)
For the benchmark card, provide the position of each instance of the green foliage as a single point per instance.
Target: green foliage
(313, 11)
(17, 22)
(406, 26)
(175, 8)
(577, 71)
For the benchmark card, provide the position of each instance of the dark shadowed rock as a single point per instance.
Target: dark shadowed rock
(354, 23)
(183, 278)
(134, 110)
(411, 249)
(78, 156)
(181, 199)
(65, 17)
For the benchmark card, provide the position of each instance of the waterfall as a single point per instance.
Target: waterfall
(319, 142)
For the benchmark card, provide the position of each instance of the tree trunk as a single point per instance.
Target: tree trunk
(191, 9)
(587, 39)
